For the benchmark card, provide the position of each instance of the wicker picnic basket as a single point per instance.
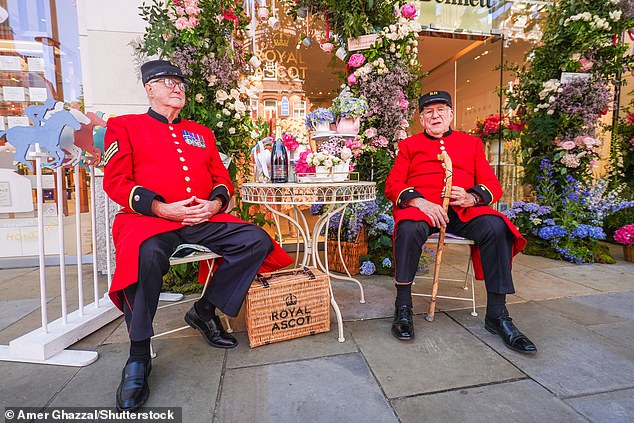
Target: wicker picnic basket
(351, 252)
(286, 305)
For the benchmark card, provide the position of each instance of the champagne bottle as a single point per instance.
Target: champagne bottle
(279, 162)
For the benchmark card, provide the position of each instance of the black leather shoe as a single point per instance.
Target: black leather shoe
(403, 326)
(134, 390)
(510, 334)
(212, 330)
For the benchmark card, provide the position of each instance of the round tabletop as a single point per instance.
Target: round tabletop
(309, 193)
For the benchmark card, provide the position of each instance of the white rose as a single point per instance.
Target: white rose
(346, 153)
(232, 130)
(226, 112)
(219, 124)
(221, 96)
(240, 107)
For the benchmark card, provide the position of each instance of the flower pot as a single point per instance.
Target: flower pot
(263, 13)
(348, 125)
(322, 126)
(628, 252)
(322, 172)
(340, 171)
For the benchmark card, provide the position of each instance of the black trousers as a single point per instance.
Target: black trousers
(490, 234)
(243, 247)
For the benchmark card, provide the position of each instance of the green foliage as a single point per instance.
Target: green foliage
(349, 18)
(579, 36)
(182, 278)
(211, 50)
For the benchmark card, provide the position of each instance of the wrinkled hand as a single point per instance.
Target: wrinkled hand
(460, 197)
(435, 212)
(191, 211)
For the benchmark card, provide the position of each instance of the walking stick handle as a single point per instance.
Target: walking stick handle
(447, 165)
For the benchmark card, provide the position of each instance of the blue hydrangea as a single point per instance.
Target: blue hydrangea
(550, 232)
(367, 268)
(387, 263)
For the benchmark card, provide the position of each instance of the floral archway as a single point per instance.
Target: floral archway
(211, 40)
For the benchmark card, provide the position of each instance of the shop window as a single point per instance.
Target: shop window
(270, 109)
(299, 109)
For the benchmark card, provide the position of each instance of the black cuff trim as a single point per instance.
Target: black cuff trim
(222, 193)
(141, 200)
(407, 195)
(485, 195)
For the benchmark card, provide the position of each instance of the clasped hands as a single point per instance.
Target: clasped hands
(190, 211)
(439, 219)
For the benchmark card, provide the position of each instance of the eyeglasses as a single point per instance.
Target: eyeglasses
(429, 113)
(170, 84)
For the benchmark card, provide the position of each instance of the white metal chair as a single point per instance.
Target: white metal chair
(195, 253)
(451, 239)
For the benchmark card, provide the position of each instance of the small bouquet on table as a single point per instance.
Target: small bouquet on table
(331, 162)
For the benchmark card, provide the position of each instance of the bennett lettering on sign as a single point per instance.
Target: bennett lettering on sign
(472, 3)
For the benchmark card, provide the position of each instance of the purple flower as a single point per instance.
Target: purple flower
(367, 268)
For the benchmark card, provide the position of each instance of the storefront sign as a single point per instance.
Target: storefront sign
(17, 121)
(469, 16)
(574, 76)
(35, 64)
(37, 94)
(13, 93)
(10, 63)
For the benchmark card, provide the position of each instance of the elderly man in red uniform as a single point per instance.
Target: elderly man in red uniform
(415, 186)
(167, 174)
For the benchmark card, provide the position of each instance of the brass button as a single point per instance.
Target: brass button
(137, 198)
(185, 168)
(182, 159)
(171, 128)
(189, 189)
(174, 135)
(179, 150)
(187, 179)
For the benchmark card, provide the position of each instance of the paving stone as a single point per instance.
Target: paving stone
(330, 389)
(536, 284)
(31, 385)
(538, 262)
(95, 385)
(12, 311)
(319, 345)
(594, 309)
(608, 407)
(571, 359)
(621, 333)
(517, 402)
(602, 277)
(442, 356)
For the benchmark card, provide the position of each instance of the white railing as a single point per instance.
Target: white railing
(47, 344)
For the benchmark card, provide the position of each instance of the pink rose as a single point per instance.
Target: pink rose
(181, 23)
(403, 104)
(180, 11)
(352, 79)
(356, 60)
(586, 64)
(630, 118)
(632, 141)
(370, 133)
(568, 145)
(408, 11)
(400, 134)
(590, 142)
(381, 141)
(193, 22)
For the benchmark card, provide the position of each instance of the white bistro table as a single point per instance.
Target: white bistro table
(335, 196)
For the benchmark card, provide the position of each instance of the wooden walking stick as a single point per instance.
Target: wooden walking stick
(441, 237)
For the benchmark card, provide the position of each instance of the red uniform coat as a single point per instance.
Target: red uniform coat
(147, 158)
(418, 172)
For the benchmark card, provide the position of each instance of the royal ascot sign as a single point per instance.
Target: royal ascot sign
(470, 16)
(281, 60)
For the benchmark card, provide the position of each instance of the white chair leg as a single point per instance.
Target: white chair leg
(228, 327)
(152, 352)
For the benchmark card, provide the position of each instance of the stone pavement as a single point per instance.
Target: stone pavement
(580, 317)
